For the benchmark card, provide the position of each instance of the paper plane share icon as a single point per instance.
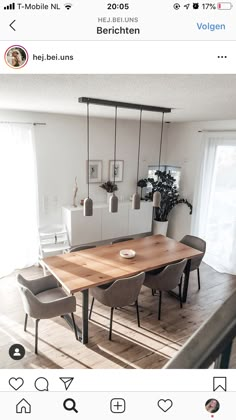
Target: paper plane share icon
(67, 382)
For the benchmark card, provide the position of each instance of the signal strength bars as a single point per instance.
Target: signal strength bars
(10, 6)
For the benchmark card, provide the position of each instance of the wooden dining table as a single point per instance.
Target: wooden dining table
(82, 270)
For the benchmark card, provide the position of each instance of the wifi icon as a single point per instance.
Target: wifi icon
(68, 6)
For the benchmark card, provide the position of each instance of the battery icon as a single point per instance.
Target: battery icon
(224, 6)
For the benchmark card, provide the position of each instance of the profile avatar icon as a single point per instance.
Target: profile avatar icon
(16, 56)
(16, 352)
(212, 405)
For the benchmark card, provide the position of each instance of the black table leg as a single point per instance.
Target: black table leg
(186, 281)
(82, 335)
(85, 301)
(69, 321)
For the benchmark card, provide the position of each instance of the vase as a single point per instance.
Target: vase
(108, 196)
(159, 228)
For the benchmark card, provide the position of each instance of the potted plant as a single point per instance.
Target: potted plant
(169, 198)
(109, 187)
(142, 183)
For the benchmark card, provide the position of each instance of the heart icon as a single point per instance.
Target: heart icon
(165, 405)
(16, 383)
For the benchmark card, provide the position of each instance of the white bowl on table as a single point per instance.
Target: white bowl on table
(127, 253)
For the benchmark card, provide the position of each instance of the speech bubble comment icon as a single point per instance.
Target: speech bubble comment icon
(41, 384)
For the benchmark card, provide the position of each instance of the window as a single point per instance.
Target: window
(18, 189)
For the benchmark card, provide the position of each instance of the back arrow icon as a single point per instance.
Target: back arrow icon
(12, 24)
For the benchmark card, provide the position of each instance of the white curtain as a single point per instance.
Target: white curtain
(18, 198)
(214, 217)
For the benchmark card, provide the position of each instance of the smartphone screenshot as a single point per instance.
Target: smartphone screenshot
(117, 209)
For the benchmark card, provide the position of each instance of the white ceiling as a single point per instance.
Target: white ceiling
(193, 97)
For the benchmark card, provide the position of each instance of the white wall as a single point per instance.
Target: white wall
(183, 148)
(61, 155)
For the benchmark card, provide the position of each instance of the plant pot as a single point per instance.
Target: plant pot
(159, 228)
(108, 197)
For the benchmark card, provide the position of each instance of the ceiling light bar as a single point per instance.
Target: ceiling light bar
(103, 102)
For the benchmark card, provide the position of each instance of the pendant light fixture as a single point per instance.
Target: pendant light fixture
(157, 194)
(113, 202)
(88, 202)
(136, 196)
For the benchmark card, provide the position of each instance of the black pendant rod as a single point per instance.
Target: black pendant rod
(104, 102)
(162, 128)
(115, 144)
(139, 143)
(88, 143)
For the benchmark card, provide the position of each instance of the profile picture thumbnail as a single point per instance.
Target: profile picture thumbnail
(16, 57)
(212, 405)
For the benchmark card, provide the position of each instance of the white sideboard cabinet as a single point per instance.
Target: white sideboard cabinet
(104, 225)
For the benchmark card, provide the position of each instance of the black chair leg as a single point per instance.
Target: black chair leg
(26, 319)
(137, 311)
(111, 319)
(74, 326)
(198, 279)
(91, 308)
(153, 292)
(36, 335)
(180, 296)
(159, 309)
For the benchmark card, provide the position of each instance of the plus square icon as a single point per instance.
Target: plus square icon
(117, 405)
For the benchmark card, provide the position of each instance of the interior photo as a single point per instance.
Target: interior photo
(118, 221)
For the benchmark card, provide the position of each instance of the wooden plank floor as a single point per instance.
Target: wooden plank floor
(149, 347)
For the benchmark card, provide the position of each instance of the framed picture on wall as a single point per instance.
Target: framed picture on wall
(118, 169)
(95, 171)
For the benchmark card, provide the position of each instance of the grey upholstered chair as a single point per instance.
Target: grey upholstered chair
(167, 279)
(116, 241)
(120, 293)
(200, 245)
(81, 248)
(43, 299)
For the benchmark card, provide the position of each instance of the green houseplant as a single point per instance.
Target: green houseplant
(170, 197)
(142, 183)
(110, 188)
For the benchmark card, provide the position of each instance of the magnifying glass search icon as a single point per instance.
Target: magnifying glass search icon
(70, 405)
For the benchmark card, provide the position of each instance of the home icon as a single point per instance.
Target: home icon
(23, 407)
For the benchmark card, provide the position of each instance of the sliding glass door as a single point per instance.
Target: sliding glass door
(215, 203)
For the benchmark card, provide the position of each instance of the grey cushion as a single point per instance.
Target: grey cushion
(38, 285)
(50, 295)
(47, 301)
(121, 292)
(167, 279)
(81, 248)
(117, 241)
(197, 243)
